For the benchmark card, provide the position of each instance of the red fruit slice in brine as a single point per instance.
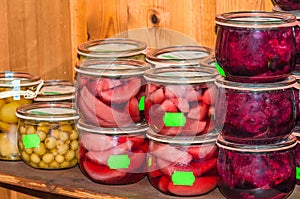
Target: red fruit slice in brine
(123, 92)
(210, 95)
(163, 183)
(201, 186)
(157, 96)
(205, 151)
(102, 173)
(94, 142)
(170, 153)
(199, 111)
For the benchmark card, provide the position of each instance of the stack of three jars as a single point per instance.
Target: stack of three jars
(255, 108)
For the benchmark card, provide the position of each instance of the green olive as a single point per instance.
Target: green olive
(59, 158)
(66, 128)
(65, 164)
(42, 135)
(40, 150)
(48, 157)
(43, 164)
(22, 129)
(55, 133)
(70, 155)
(62, 148)
(30, 130)
(74, 135)
(28, 150)
(34, 158)
(50, 142)
(63, 136)
(54, 164)
(25, 156)
(74, 145)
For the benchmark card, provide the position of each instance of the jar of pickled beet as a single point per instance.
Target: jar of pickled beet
(255, 46)
(16, 89)
(177, 55)
(297, 34)
(287, 5)
(47, 135)
(255, 113)
(182, 166)
(256, 171)
(180, 100)
(113, 156)
(56, 91)
(111, 94)
(112, 49)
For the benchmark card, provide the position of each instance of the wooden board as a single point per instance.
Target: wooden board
(72, 183)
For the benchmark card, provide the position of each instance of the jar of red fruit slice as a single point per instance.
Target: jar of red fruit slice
(296, 133)
(256, 171)
(182, 166)
(177, 55)
(112, 49)
(111, 93)
(180, 100)
(255, 113)
(287, 5)
(255, 46)
(113, 156)
(297, 34)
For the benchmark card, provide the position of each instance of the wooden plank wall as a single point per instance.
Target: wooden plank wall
(41, 36)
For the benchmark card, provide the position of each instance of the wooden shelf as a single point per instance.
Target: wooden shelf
(71, 183)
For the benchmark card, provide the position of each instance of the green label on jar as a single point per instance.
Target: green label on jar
(174, 119)
(220, 70)
(185, 178)
(31, 141)
(298, 173)
(142, 103)
(118, 161)
(149, 161)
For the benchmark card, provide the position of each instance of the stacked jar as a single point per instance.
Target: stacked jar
(178, 55)
(16, 89)
(109, 96)
(179, 108)
(255, 111)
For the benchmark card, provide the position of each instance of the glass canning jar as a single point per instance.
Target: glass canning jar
(113, 156)
(182, 166)
(177, 55)
(261, 171)
(255, 46)
(257, 112)
(111, 94)
(47, 135)
(180, 100)
(112, 49)
(16, 89)
(297, 97)
(297, 35)
(287, 5)
(56, 91)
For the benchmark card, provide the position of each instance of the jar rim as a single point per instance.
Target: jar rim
(113, 68)
(26, 79)
(284, 144)
(289, 82)
(156, 56)
(182, 140)
(47, 111)
(256, 19)
(138, 128)
(56, 90)
(191, 74)
(89, 48)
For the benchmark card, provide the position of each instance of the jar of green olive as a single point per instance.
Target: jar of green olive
(112, 49)
(16, 89)
(47, 136)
